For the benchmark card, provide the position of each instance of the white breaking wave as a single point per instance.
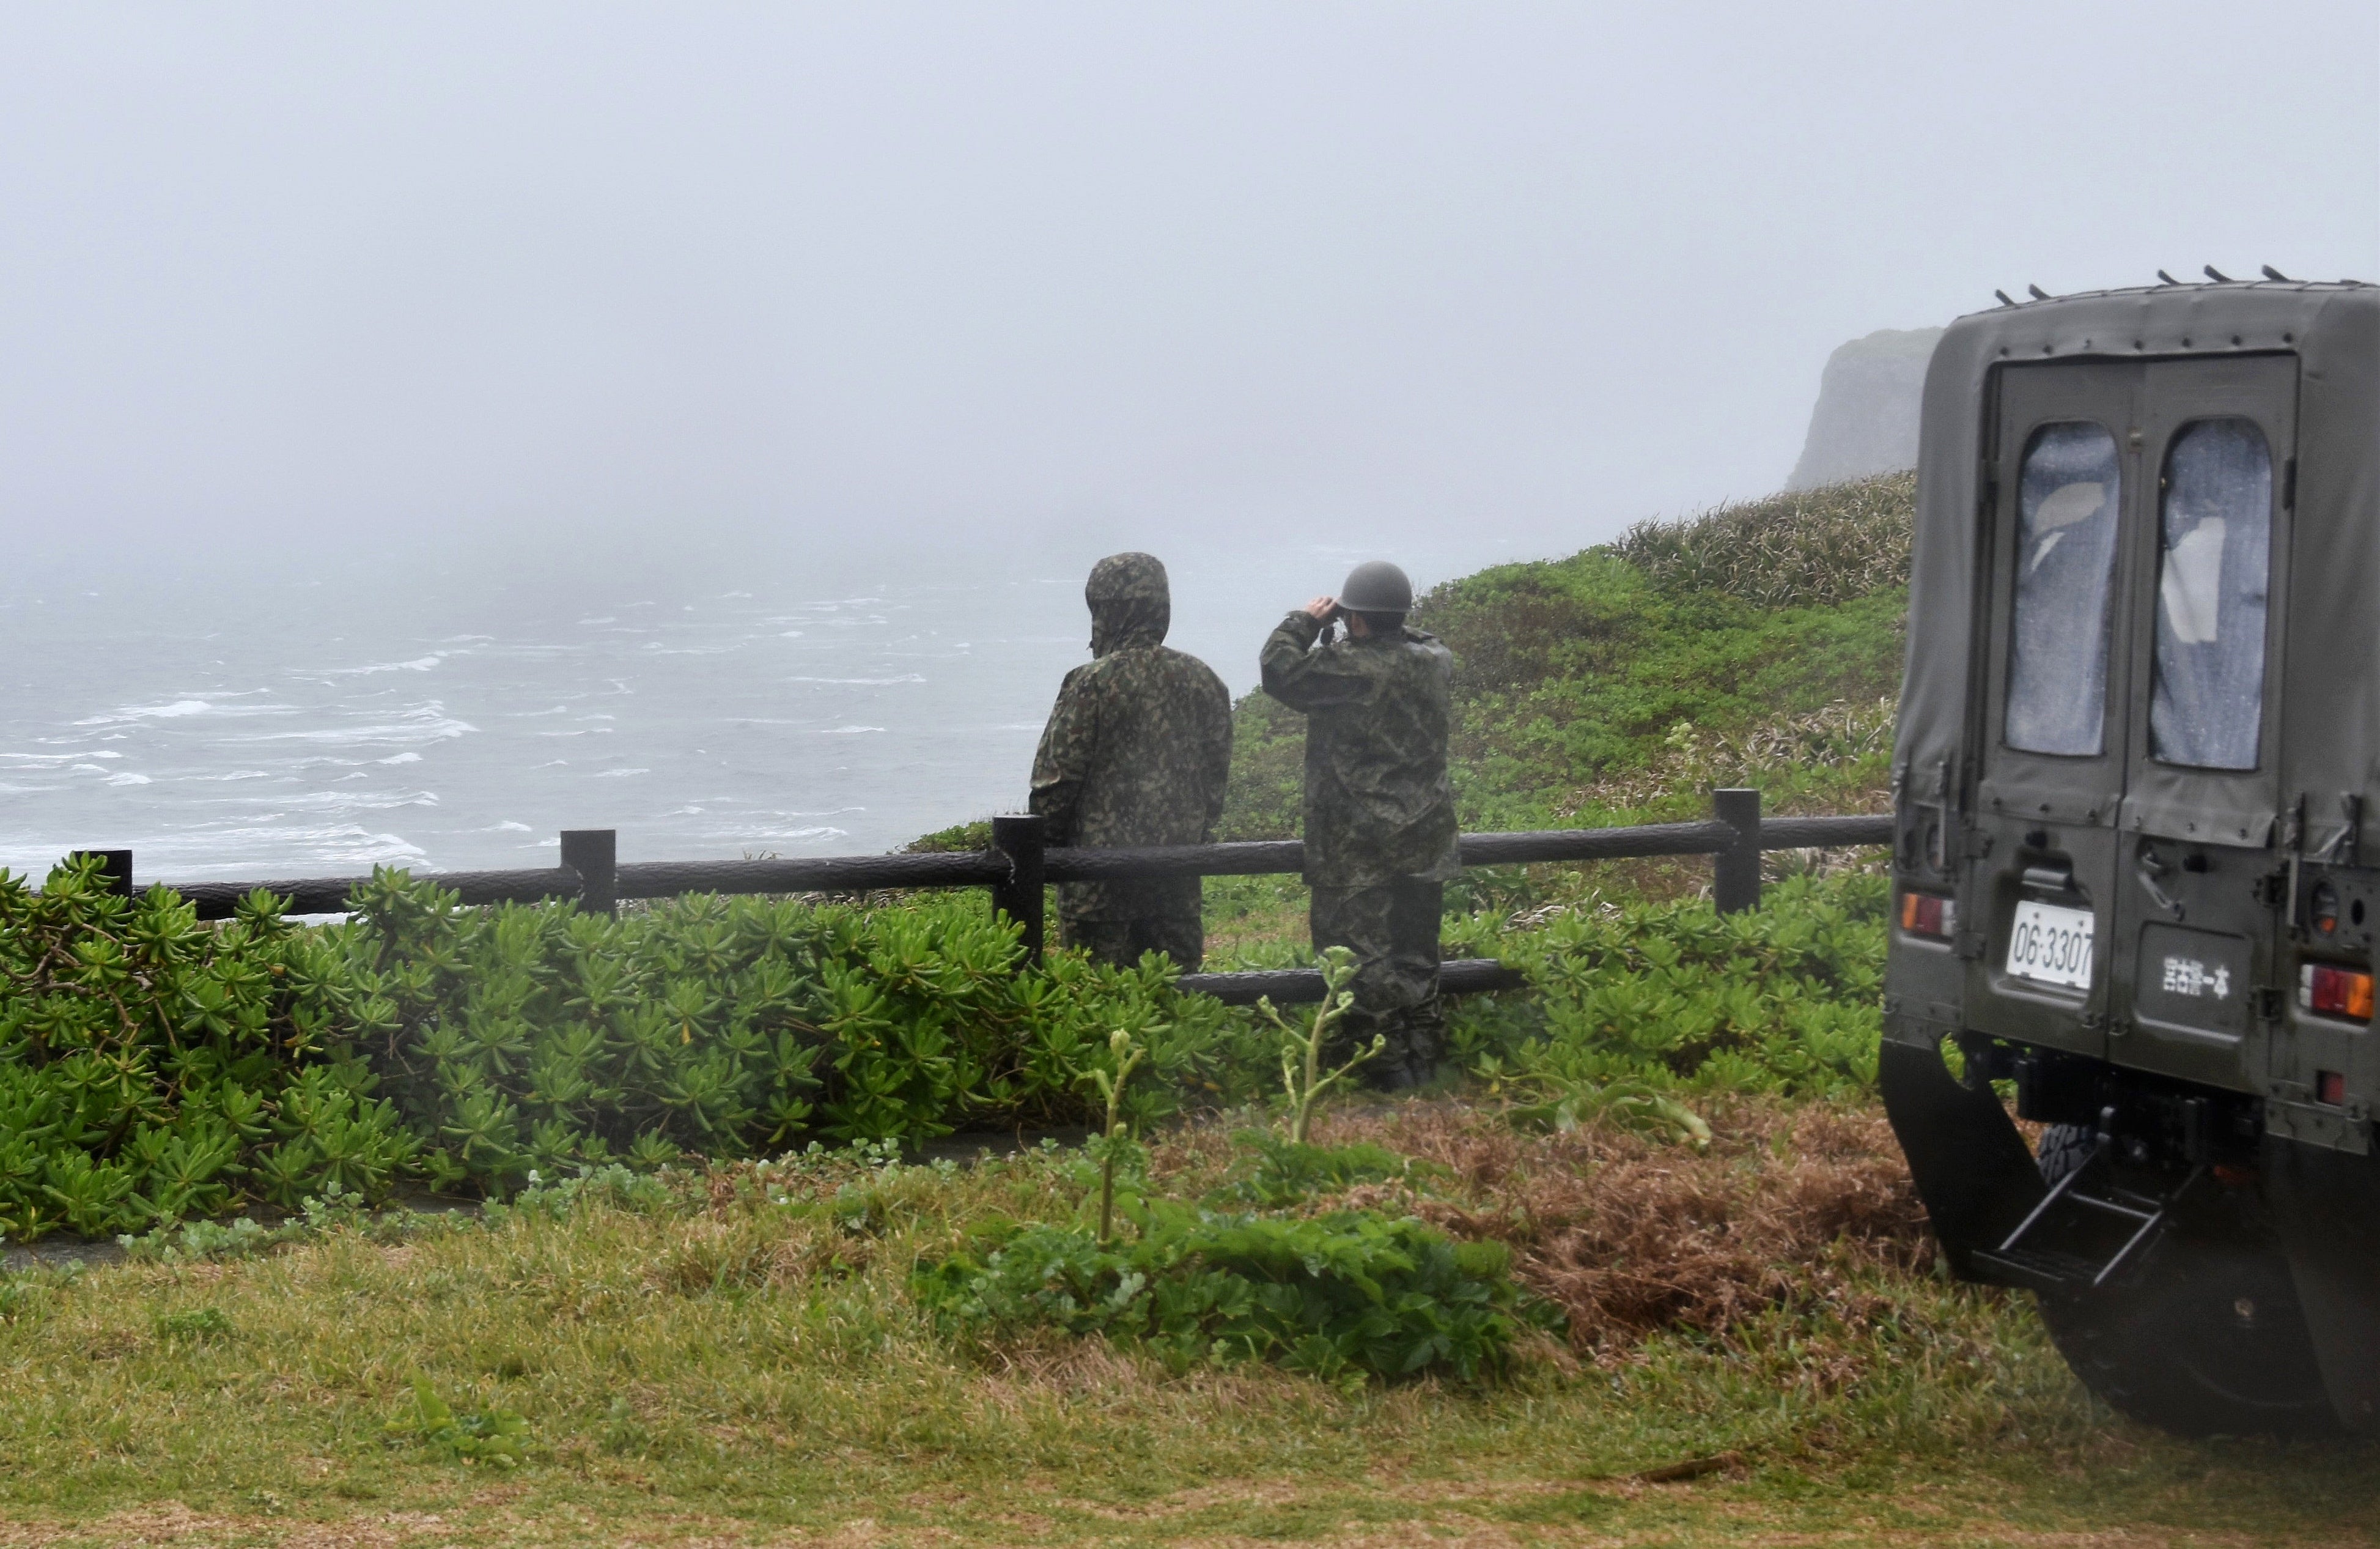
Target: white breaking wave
(333, 801)
(149, 712)
(847, 731)
(51, 761)
(429, 723)
(419, 663)
(179, 709)
(864, 682)
(609, 774)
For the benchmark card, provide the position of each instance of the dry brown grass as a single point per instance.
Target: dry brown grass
(1629, 1235)
(1804, 549)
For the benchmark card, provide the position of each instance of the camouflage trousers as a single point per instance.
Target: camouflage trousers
(1393, 929)
(1181, 937)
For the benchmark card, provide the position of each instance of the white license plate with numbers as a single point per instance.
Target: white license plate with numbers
(2051, 946)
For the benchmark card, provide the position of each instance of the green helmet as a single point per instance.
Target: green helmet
(1377, 586)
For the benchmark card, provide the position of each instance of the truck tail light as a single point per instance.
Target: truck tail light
(1925, 914)
(2335, 992)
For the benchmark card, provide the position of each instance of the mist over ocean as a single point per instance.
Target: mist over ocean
(250, 729)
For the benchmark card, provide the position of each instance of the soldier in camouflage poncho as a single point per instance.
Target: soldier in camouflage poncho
(1137, 752)
(1380, 838)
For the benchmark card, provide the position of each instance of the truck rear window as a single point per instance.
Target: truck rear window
(2067, 495)
(2215, 558)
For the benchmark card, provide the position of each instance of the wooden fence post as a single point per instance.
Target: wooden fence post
(1020, 839)
(594, 854)
(1735, 873)
(115, 865)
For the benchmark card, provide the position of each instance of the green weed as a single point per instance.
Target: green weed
(1350, 1292)
(1632, 1009)
(495, 1436)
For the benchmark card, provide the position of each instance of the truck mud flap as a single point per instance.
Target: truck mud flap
(2327, 1206)
(1973, 1170)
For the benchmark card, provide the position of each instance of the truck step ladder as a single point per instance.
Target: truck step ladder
(2078, 1238)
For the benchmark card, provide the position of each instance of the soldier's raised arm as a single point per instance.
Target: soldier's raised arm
(1303, 678)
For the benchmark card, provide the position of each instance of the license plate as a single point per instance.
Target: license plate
(2051, 946)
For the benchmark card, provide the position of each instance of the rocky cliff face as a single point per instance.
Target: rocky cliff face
(1867, 418)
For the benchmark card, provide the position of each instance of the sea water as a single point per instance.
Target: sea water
(294, 730)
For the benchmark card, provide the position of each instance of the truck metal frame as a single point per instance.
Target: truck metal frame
(2136, 782)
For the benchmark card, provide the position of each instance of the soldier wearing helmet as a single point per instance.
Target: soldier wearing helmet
(1379, 813)
(1137, 752)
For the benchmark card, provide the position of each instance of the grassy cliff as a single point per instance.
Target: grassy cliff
(1759, 643)
(1755, 644)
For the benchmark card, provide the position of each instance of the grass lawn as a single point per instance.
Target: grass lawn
(743, 1363)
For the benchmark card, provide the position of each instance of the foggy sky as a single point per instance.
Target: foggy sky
(643, 281)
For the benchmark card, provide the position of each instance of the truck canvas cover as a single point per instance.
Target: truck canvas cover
(2332, 633)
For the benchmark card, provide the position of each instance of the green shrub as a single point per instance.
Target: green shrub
(1675, 998)
(152, 1067)
(542, 1038)
(971, 836)
(1353, 1292)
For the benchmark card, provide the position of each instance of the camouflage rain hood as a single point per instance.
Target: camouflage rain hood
(1131, 603)
(1138, 746)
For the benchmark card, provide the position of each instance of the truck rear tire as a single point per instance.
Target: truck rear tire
(2207, 1338)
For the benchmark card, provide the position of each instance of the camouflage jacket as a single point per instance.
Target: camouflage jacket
(1378, 712)
(1137, 752)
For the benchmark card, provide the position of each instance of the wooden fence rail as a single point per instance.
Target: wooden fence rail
(1018, 864)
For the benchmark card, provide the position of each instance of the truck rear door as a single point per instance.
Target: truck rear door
(2037, 905)
(2197, 909)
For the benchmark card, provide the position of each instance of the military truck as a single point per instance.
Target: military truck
(2137, 840)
